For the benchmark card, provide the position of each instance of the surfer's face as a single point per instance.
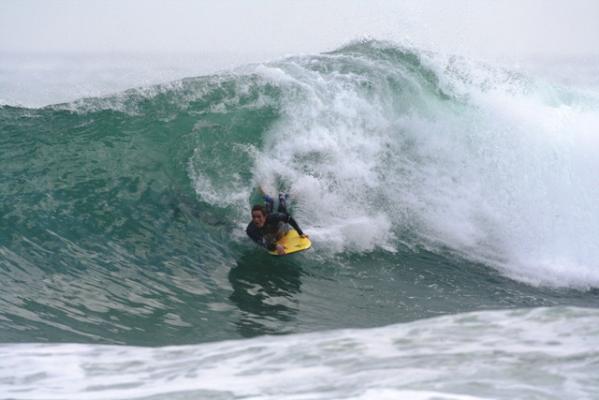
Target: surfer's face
(258, 218)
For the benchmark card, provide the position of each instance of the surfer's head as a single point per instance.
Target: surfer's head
(259, 215)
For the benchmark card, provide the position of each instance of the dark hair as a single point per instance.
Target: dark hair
(259, 207)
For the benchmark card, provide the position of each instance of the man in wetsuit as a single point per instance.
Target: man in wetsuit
(267, 227)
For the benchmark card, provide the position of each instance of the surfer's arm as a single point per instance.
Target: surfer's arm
(253, 233)
(294, 224)
(259, 239)
(284, 217)
(270, 246)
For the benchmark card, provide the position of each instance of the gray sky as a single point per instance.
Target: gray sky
(276, 27)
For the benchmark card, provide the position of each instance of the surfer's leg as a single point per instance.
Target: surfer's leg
(283, 203)
(269, 203)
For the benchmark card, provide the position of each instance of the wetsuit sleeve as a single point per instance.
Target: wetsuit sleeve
(258, 238)
(283, 217)
(295, 225)
(255, 235)
(272, 246)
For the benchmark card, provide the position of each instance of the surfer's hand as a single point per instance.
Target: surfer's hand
(305, 236)
(280, 250)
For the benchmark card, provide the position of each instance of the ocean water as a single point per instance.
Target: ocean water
(453, 207)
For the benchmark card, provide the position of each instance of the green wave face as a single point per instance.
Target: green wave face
(422, 180)
(98, 208)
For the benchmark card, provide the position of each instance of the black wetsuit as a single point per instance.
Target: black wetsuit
(272, 229)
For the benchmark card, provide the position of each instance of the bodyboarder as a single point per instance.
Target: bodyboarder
(267, 226)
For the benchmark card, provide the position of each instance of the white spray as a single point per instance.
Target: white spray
(442, 153)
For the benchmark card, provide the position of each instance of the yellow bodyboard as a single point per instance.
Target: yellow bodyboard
(292, 242)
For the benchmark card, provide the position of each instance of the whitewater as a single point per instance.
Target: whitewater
(452, 204)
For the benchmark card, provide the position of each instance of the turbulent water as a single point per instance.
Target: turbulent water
(453, 208)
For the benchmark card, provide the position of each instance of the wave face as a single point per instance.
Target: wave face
(430, 185)
(384, 147)
(526, 354)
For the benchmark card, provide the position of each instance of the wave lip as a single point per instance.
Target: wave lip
(525, 353)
